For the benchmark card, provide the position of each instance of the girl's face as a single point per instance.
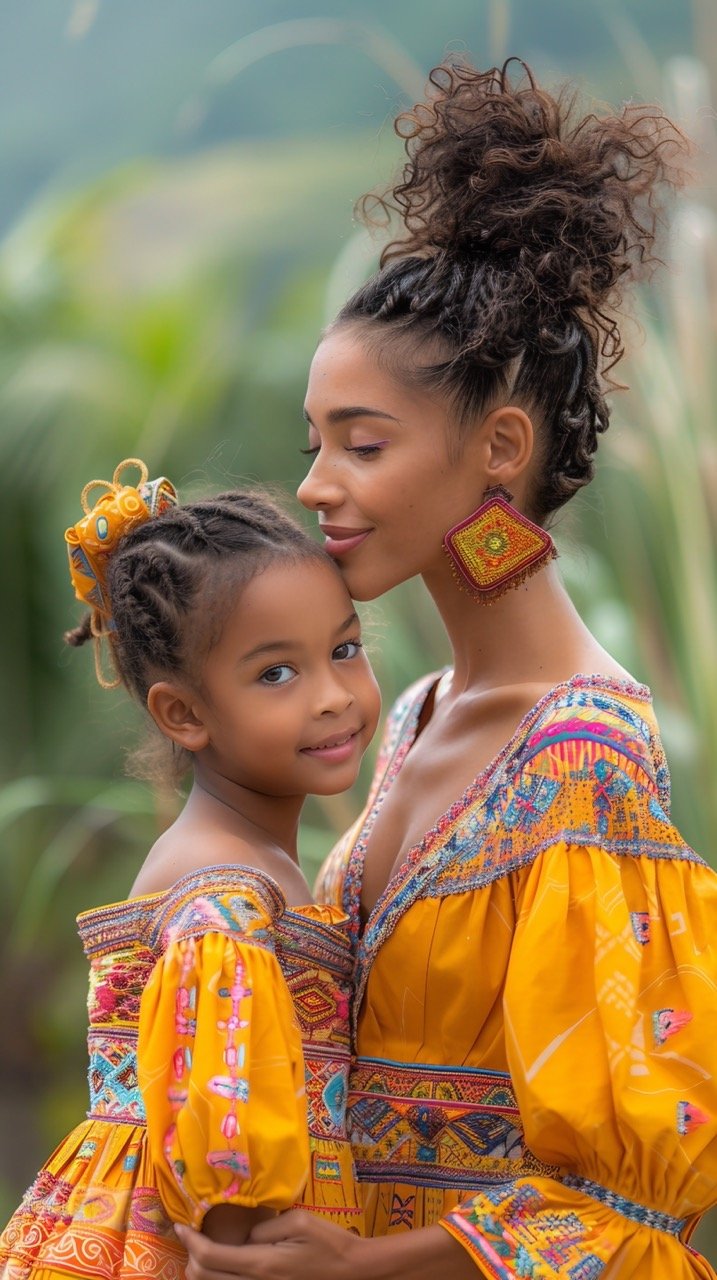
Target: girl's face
(288, 697)
(384, 480)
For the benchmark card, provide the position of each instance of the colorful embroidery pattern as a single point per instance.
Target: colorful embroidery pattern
(112, 1076)
(628, 1208)
(113, 1232)
(232, 1086)
(319, 979)
(577, 772)
(667, 1022)
(640, 921)
(514, 1233)
(90, 1211)
(545, 921)
(689, 1117)
(434, 1126)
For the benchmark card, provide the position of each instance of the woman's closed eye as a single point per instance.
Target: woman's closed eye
(361, 450)
(365, 450)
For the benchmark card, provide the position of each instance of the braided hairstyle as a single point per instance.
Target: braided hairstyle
(522, 222)
(173, 581)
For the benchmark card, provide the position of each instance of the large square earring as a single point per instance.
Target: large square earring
(496, 547)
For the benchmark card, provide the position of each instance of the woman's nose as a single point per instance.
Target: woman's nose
(319, 489)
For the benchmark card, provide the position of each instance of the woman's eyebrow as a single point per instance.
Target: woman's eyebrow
(342, 414)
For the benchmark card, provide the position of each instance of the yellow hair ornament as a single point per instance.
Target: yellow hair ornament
(92, 541)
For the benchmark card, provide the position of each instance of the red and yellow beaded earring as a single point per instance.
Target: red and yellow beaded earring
(496, 547)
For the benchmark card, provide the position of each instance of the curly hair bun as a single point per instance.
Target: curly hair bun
(569, 204)
(522, 222)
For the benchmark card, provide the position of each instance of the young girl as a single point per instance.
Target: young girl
(235, 630)
(534, 1093)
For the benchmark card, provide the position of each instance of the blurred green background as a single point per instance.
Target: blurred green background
(176, 220)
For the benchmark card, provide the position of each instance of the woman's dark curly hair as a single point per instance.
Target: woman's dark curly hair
(522, 224)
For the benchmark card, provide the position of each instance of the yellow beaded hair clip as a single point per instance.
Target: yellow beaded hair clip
(92, 541)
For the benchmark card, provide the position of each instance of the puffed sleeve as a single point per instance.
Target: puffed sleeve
(610, 1012)
(219, 1055)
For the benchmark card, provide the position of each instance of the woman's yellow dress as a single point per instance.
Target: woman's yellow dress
(219, 1056)
(536, 1004)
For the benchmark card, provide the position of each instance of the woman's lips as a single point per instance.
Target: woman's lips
(339, 540)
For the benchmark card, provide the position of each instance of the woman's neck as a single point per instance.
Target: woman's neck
(530, 635)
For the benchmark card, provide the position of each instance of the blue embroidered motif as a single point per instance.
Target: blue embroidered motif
(334, 1095)
(530, 801)
(657, 811)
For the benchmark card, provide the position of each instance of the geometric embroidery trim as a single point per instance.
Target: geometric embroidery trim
(112, 1077)
(628, 1208)
(512, 813)
(435, 1126)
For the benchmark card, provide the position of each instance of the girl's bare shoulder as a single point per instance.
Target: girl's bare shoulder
(181, 850)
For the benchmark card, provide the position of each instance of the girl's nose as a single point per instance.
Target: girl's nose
(334, 696)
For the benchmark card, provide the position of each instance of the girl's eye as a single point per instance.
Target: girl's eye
(278, 675)
(311, 451)
(349, 649)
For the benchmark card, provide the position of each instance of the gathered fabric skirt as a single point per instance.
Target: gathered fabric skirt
(94, 1211)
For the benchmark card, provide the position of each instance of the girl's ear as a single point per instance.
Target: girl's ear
(175, 713)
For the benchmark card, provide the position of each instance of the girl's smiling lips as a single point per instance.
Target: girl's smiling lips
(337, 748)
(340, 540)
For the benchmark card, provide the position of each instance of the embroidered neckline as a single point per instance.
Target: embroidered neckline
(406, 736)
(138, 910)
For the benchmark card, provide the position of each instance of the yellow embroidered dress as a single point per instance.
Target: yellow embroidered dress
(536, 1004)
(205, 996)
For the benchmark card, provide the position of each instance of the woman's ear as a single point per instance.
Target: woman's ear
(509, 440)
(175, 713)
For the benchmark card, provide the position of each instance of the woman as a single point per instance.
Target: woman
(535, 1015)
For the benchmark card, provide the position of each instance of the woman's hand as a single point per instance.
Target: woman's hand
(300, 1246)
(293, 1246)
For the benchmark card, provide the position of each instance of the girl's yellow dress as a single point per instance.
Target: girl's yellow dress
(219, 1056)
(536, 1004)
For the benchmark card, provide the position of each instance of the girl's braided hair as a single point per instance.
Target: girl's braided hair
(522, 224)
(173, 581)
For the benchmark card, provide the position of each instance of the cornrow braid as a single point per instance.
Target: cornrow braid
(173, 579)
(522, 223)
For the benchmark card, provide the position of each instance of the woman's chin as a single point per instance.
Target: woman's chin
(365, 585)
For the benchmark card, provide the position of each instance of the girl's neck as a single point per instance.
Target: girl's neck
(269, 821)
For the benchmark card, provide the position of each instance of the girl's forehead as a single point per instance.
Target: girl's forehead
(289, 591)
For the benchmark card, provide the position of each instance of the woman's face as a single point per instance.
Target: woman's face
(384, 480)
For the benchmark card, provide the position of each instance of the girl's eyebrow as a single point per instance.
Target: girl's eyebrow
(282, 646)
(335, 416)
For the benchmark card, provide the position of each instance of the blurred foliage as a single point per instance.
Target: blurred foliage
(169, 308)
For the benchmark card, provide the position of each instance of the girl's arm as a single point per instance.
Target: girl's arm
(299, 1246)
(231, 1223)
(220, 1063)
